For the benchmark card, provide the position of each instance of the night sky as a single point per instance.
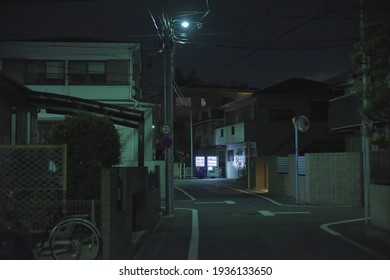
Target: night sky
(240, 42)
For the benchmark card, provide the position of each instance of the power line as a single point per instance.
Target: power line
(262, 47)
(284, 46)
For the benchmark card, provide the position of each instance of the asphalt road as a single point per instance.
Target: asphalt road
(216, 220)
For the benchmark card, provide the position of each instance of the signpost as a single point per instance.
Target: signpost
(301, 124)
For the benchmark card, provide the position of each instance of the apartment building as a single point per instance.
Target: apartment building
(107, 72)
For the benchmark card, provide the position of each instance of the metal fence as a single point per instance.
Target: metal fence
(282, 165)
(33, 176)
(33, 182)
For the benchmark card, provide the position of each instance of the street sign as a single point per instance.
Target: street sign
(166, 129)
(166, 141)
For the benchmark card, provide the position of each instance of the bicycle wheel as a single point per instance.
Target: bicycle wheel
(75, 239)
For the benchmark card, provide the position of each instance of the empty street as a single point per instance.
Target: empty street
(217, 219)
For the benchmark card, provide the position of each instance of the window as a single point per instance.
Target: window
(87, 72)
(40, 72)
(221, 132)
(280, 115)
(233, 130)
(118, 72)
(230, 155)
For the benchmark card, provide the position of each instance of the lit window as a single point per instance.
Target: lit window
(203, 102)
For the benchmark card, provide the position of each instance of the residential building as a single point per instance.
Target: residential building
(206, 103)
(344, 112)
(236, 138)
(201, 106)
(107, 72)
(345, 119)
(261, 125)
(18, 117)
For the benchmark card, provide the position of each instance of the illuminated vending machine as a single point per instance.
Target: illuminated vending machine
(212, 167)
(200, 167)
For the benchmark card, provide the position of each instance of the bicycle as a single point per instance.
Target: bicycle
(71, 238)
(75, 238)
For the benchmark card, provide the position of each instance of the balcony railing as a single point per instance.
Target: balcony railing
(87, 79)
(45, 79)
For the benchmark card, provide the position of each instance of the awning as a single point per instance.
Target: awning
(68, 105)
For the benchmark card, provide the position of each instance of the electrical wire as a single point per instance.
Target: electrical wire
(284, 34)
(159, 34)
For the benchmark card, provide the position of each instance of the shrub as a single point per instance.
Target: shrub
(93, 143)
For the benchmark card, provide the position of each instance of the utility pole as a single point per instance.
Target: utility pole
(168, 96)
(169, 47)
(365, 124)
(191, 144)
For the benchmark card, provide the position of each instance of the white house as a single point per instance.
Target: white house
(107, 72)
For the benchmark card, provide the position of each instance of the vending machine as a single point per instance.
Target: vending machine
(200, 167)
(212, 167)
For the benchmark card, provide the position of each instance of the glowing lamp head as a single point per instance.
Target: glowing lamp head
(185, 24)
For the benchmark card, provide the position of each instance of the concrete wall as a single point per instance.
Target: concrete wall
(151, 164)
(284, 183)
(129, 208)
(380, 206)
(334, 179)
(330, 179)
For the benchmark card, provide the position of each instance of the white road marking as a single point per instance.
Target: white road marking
(270, 214)
(186, 193)
(290, 213)
(216, 202)
(266, 213)
(194, 241)
(230, 202)
(281, 204)
(326, 228)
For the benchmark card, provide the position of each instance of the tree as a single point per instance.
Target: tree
(93, 143)
(376, 106)
(182, 141)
